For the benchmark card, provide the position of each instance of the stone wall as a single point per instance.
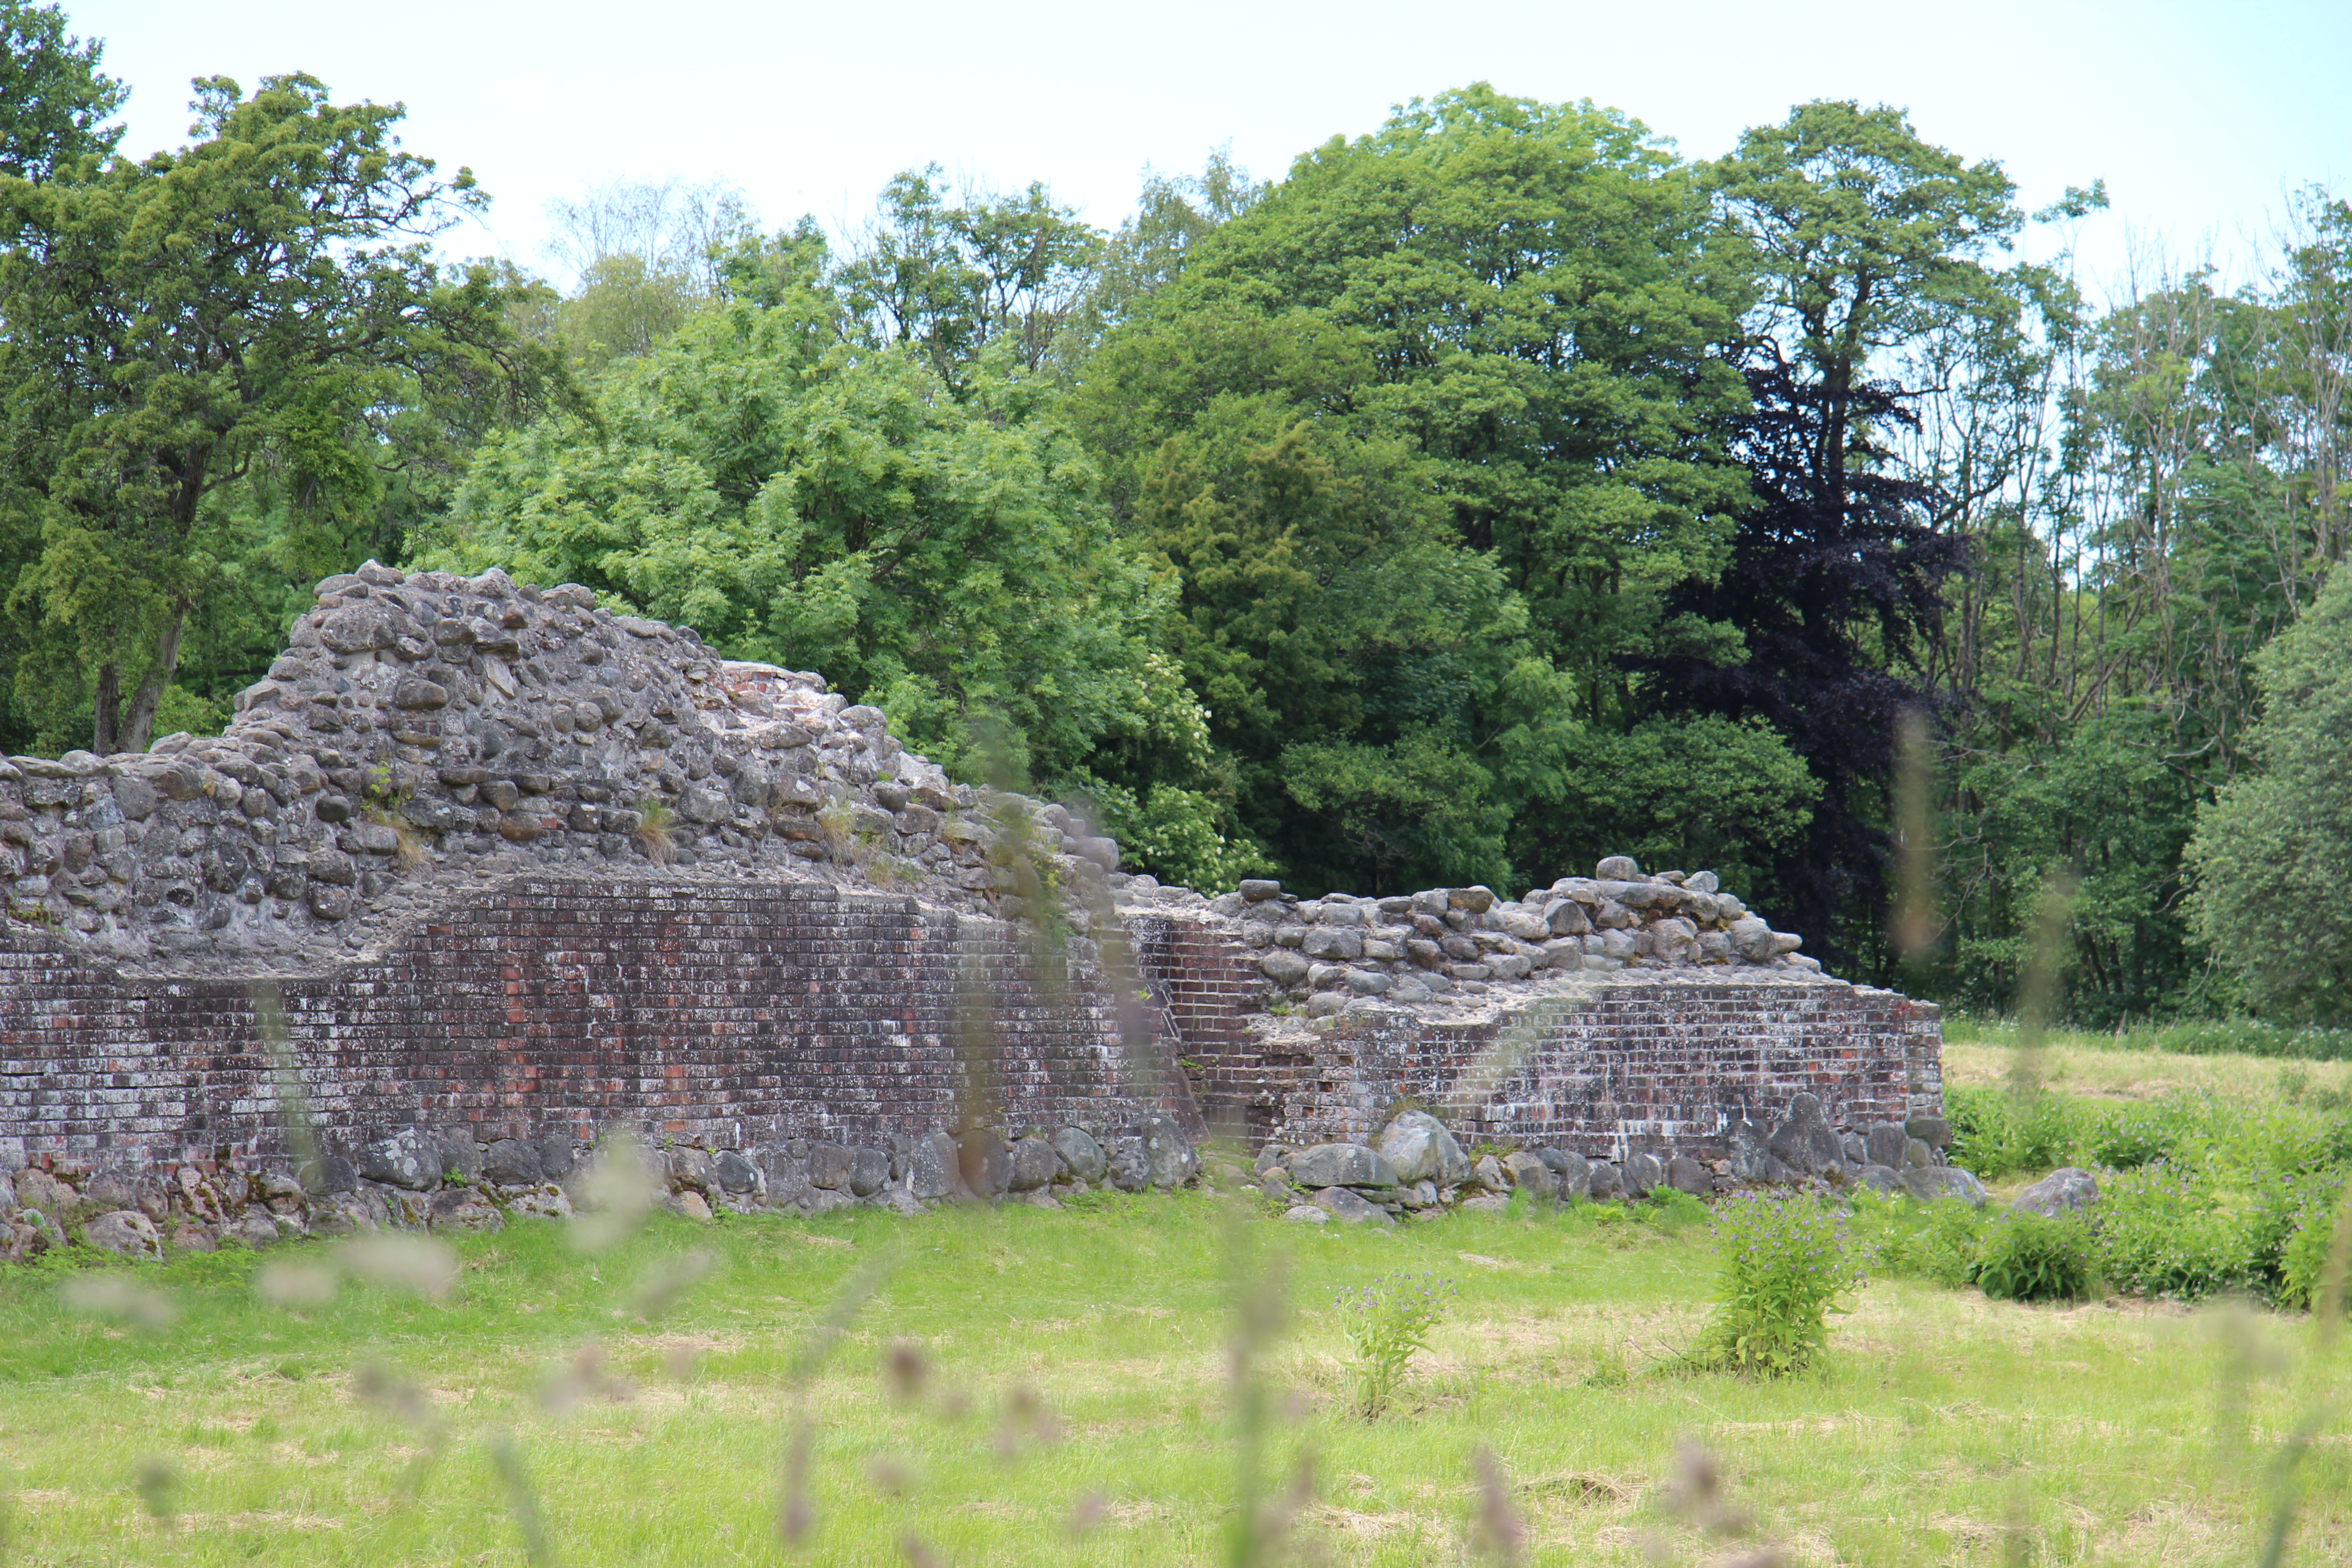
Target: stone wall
(510, 867)
(1604, 1064)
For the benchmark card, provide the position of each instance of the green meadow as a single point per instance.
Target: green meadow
(1022, 1386)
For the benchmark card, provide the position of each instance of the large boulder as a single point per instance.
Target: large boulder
(1805, 1140)
(126, 1233)
(512, 1163)
(1034, 1163)
(1168, 1151)
(409, 1159)
(463, 1209)
(1643, 1172)
(869, 1171)
(829, 1167)
(1685, 1175)
(933, 1168)
(690, 1171)
(37, 1189)
(985, 1161)
(1340, 1165)
(1930, 1182)
(1080, 1152)
(1350, 1208)
(1127, 1167)
(1418, 1148)
(1883, 1145)
(1574, 1172)
(1528, 1174)
(2062, 1191)
(735, 1171)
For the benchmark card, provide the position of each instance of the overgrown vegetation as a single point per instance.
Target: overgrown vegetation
(1388, 1322)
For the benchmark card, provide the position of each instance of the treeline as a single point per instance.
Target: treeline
(1496, 490)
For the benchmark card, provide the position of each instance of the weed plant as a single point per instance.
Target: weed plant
(1787, 1260)
(2028, 1257)
(1388, 1322)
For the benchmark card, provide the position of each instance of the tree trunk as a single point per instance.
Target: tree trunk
(107, 723)
(139, 724)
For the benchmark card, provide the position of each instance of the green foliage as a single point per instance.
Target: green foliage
(1695, 791)
(2027, 1257)
(2309, 1248)
(2270, 853)
(54, 99)
(1937, 1242)
(1996, 1133)
(1387, 1323)
(210, 337)
(801, 504)
(2165, 1231)
(1785, 1259)
(1425, 433)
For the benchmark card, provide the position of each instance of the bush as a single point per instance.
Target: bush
(1386, 1322)
(1995, 1135)
(1911, 1241)
(2125, 1137)
(2029, 1259)
(2163, 1232)
(1785, 1259)
(2302, 1258)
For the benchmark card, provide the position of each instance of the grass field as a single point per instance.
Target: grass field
(1077, 1366)
(2089, 1067)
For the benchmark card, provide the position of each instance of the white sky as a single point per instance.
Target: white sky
(2199, 115)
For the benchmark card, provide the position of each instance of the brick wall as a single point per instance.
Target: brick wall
(727, 1013)
(1626, 1063)
(736, 1014)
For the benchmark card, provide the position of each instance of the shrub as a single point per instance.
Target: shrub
(2163, 1232)
(1995, 1133)
(2125, 1137)
(1387, 1323)
(2029, 1259)
(1935, 1242)
(1785, 1259)
(2302, 1256)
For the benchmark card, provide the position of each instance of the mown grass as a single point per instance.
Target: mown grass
(2093, 1067)
(1946, 1429)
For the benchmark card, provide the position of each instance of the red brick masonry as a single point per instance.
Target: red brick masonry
(733, 1013)
(729, 1015)
(1628, 1062)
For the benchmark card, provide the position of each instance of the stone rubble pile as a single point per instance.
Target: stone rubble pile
(433, 726)
(1417, 1168)
(1446, 946)
(418, 1179)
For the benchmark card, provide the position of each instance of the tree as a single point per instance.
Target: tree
(1865, 240)
(177, 326)
(2271, 850)
(1427, 432)
(804, 502)
(955, 277)
(54, 101)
